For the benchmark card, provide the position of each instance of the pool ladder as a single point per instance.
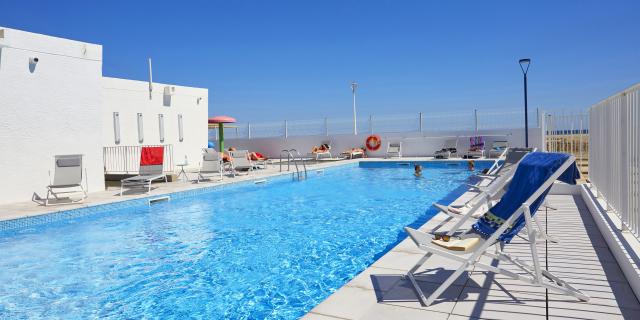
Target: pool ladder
(291, 156)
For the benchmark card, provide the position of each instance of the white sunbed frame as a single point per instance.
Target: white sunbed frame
(146, 175)
(445, 152)
(323, 154)
(535, 274)
(394, 150)
(211, 165)
(68, 177)
(240, 161)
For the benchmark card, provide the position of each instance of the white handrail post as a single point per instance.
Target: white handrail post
(326, 126)
(249, 130)
(286, 130)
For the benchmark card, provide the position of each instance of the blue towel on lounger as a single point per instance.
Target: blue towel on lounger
(531, 173)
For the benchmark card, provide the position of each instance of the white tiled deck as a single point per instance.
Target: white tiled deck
(581, 257)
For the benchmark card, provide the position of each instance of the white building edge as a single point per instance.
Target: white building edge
(54, 100)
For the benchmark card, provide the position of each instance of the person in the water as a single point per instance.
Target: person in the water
(417, 170)
(471, 165)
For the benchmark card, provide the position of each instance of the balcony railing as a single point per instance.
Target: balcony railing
(394, 123)
(126, 159)
(614, 154)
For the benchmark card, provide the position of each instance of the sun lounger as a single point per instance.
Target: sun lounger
(394, 150)
(211, 166)
(449, 149)
(151, 164)
(498, 149)
(494, 190)
(324, 151)
(241, 161)
(353, 153)
(531, 182)
(476, 148)
(67, 179)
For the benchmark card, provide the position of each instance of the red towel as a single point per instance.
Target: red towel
(150, 156)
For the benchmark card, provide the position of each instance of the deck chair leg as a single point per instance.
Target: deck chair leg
(532, 244)
(411, 275)
(543, 232)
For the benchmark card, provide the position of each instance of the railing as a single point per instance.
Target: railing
(569, 133)
(395, 123)
(614, 154)
(126, 159)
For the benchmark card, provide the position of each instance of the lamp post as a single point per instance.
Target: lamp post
(354, 86)
(524, 66)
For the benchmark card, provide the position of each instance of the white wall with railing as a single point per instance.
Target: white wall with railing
(614, 154)
(422, 122)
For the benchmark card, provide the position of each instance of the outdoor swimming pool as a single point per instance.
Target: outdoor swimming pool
(243, 251)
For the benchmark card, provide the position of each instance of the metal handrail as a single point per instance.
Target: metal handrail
(304, 166)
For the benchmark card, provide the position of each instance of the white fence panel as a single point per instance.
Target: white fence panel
(614, 154)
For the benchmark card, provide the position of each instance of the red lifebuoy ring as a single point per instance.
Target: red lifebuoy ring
(373, 142)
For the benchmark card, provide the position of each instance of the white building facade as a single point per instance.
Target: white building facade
(54, 100)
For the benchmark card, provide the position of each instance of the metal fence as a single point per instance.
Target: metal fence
(394, 123)
(614, 155)
(126, 159)
(569, 133)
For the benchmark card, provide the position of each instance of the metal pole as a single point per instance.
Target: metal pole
(249, 130)
(370, 124)
(420, 115)
(220, 137)
(286, 130)
(326, 126)
(526, 116)
(354, 85)
(475, 115)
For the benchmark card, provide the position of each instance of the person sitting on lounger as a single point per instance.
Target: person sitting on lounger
(226, 157)
(257, 156)
(321, 149)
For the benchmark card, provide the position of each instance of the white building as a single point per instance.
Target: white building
(54, 100)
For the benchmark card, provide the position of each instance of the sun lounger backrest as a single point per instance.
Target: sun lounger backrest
(533, 177)
(68, 170)
(513, 156)
(240, 158)
(499, 145)
(211, 162)
(151, 160)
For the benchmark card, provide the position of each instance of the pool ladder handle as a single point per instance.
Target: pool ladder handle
(291, 156)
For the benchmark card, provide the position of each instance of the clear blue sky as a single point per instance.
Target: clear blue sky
(271, 60)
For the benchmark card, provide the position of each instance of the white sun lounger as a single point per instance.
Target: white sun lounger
(146, 175)
(324, 154)
(394, 150)
(241, 161)
(472, 247)
(211, 165)
(449, 149)
(67, 179)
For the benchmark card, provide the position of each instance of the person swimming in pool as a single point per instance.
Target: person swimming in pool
(471, 165)
(417, 170)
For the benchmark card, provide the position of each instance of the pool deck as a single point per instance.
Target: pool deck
(581, 257)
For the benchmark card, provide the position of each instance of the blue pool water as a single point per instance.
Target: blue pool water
(244, 252)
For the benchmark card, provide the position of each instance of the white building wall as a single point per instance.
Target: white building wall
(129, 97)
(63, 105)
(46, 109)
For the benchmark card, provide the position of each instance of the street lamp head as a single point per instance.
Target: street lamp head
(354, 85)
(524, 65)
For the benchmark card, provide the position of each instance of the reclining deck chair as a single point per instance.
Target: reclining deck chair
(394, 150)
(151, 164)
(449, 149)
(498, 148)
(241, 161)
(530, 184)
(211, 166)
(67, 176)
